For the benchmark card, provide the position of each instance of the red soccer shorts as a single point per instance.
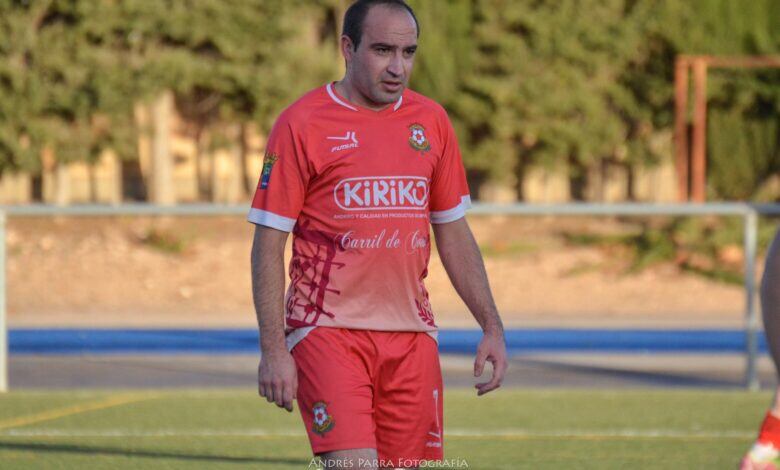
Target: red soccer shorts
(371, 389)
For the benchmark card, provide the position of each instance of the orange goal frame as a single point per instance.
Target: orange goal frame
(692, 187)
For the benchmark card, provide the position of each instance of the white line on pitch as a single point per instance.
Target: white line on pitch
(498, 433)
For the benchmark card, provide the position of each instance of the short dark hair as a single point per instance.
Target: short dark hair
(355, 16)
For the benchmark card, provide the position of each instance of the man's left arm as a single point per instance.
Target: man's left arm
(462, 260)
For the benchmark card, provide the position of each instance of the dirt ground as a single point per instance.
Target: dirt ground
(194, 272)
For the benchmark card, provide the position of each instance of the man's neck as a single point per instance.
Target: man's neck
(351, 94)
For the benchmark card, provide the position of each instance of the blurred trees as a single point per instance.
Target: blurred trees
(540, 85)
(61, 93)
(76, 75)
(570, 85)
(586, 84)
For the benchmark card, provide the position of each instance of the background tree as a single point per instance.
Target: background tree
(743, 105)
(570, 85)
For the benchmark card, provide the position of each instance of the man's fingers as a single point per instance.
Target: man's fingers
(479, 363)
(279, 394)
(499, 368)
(288, 397)
(260, 384)
(278, 381)
(483, 388)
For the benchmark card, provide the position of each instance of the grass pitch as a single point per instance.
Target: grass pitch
(507, 429)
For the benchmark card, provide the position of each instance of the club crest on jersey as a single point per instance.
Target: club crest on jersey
(268, 165)
(322, 422)
(417, 139)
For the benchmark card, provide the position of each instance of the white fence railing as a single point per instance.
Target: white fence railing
(749, 213)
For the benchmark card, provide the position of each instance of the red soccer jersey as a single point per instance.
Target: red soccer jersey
(358, 189)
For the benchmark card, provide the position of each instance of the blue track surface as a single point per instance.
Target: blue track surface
(245, 341)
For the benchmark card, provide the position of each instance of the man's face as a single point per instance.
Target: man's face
(382, 64)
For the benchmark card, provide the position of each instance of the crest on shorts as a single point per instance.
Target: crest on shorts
(268, 165)
(322, 422)
(417, 139)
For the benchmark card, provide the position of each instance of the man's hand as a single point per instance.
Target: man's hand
(277, 379)
(492, 348)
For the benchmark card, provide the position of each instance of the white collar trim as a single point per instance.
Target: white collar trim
(332, 94)
(398, 104)
(337, 100)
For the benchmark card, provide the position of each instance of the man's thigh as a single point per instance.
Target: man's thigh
(409, 400)
(371, 396)
(335, 393)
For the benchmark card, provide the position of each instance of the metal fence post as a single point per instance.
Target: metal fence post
(751, 317)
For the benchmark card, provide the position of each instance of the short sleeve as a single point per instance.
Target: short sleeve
(283, 180)
(449, 191)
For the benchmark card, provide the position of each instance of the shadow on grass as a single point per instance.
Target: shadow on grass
(101, 450)
(634, 377)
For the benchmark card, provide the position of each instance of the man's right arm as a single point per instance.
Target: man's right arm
(277, 375)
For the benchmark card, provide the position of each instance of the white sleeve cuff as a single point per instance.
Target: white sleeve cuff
(450, 215)
(269, 219)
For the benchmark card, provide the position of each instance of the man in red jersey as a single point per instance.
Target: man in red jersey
(358, 170)
(765, 452)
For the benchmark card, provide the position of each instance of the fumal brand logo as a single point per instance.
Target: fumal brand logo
(382, 193)
(349, 141)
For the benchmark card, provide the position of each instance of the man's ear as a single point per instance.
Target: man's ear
(347, 48)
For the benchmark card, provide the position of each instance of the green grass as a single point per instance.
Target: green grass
(509, 429)
(164, 241)
(497, 249)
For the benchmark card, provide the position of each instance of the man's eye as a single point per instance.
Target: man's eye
(382, 50)
(409, 52)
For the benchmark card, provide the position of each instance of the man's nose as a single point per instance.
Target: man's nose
(396, 65)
